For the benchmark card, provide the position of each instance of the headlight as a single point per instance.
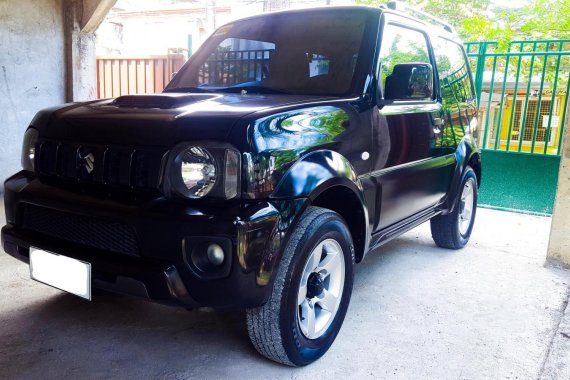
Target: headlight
(198, 172)
(203, 170)
(29, 149)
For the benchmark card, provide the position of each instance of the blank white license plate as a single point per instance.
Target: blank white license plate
(61, 272)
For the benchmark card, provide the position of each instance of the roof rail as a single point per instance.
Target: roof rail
(399, 6)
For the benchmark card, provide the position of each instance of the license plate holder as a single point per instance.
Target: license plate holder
(61, 272)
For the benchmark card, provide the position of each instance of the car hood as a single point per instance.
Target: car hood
(157, 120)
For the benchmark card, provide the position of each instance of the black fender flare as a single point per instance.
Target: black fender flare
(308, 175)
(317, 172)
(263, 230)
(465, 152)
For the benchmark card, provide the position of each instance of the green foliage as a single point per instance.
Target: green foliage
(450, 137)
(547, 19)
(483, 20)
(330, 125)
(325, 129)
(414, 52)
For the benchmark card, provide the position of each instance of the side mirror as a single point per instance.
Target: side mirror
(409, 81)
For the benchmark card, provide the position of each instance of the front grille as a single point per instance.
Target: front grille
(112, 166)
(97, 233)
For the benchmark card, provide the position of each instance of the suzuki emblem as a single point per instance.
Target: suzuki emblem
(88, 162)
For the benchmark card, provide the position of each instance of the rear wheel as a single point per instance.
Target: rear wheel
(454, 229)
(311, 292)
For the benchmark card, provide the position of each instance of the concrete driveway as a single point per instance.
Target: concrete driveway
(491, 310)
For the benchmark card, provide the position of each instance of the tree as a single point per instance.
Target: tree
(482, 20)
(548, 19)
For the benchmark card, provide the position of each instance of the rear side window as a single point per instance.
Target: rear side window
(401, 45)
(453, 72)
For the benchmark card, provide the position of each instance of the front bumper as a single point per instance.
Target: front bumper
(165, 232)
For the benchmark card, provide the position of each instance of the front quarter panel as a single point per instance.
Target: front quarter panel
(281, 161)
(316, 171)
(293, 157)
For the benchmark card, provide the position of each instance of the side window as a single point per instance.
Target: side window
(401, 45)
(453, 72)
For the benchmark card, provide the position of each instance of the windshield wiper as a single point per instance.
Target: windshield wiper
(191, 89)
(234, 89)
(252, 89)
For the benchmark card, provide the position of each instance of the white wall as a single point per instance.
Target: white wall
(32, 71)
(154, 35)
(139, 28)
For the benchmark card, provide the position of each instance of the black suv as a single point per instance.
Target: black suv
(285, 149)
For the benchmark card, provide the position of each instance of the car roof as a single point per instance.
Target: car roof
(323, 9)
(438, 28)
(433, 25)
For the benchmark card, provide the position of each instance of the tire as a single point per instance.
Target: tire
(281, 330)
(454, 229)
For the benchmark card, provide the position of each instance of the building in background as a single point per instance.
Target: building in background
(155, 27)
(141, 44)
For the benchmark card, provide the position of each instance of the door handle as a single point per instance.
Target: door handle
(437, 124)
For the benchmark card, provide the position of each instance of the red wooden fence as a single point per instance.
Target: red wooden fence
(135, 75)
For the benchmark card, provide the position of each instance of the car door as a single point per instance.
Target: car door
(411, 174)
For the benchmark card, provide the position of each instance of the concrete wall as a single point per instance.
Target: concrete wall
(32, 75)
(559, 244)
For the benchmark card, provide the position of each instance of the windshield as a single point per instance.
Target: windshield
(316, 53)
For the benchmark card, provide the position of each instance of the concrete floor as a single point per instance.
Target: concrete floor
(491, 310)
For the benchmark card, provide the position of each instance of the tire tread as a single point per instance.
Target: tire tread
(441, 230)
(263, 324)
(444, 227)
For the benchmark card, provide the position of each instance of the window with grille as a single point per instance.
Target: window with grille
(237, 61)
(528, 130)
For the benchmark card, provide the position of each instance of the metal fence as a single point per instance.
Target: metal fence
(228, 68)
(135, 75)
(522, 94)
(523, 106)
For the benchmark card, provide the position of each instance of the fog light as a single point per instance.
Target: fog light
(208, 257)
(215, 254)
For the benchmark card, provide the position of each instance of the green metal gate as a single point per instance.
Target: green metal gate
(523, 103)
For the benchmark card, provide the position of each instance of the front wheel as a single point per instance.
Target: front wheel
(454, 229)
(311, 292)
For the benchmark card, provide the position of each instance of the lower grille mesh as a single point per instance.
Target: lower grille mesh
(97, 233)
